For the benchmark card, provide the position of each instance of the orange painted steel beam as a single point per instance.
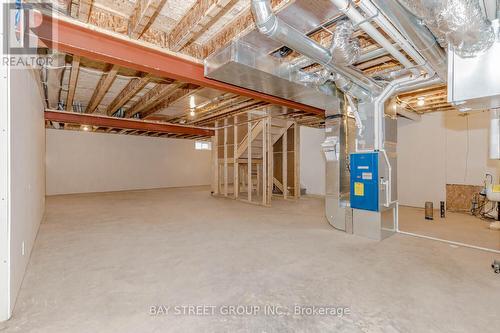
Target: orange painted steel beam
(94, 44)
(132, 124)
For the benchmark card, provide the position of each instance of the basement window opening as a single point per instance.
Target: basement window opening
(202, 145)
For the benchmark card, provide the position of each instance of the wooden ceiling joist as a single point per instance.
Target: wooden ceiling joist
(103, 46)
(197, 20)
(84, 9)
(73, 79)
(182, 92)
(143, 15)
(102, 88)
(152, 98)
(243, 22)
(130, 90)
(120, 123)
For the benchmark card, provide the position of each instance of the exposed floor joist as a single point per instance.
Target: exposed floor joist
(111, 48)
(73, 79)
(130, 90)
(197, 20)
(143, 15)
(102, 88)
(152, 98)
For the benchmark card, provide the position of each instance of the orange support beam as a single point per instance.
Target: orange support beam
(132, 124)
(78, 39)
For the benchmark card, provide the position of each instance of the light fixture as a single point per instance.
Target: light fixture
(192, 113)
(192, 103)
(85, 128)
(421, 101)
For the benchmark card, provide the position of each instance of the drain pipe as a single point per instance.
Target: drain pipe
(273, 27)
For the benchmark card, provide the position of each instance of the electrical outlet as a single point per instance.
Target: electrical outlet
(23, 249)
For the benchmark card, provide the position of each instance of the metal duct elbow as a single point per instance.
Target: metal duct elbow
(345, 48)
(461, 23)
(265, 19)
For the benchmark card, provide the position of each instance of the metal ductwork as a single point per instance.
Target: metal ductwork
(461, 23)
(242, 65)
(273, 27)
(423, 40)
(345, 48)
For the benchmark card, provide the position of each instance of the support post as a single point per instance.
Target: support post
(296, 155)
(236, 172)
(225, 158)
(284, 162)
(249, 159)
(215, 161)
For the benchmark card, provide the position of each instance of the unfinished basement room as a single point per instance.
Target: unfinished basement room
(250, 166)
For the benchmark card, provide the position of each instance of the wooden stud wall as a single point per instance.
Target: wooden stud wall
(253, 155)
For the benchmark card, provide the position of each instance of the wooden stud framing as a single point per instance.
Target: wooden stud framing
(249, 160)
(236, 180)
(102, 88)
(296, 155)
(225, 157)
(215, 160)
(284, 163)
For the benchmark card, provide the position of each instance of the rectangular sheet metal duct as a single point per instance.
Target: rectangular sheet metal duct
(240, 64)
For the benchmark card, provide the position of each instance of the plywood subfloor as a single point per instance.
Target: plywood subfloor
(457, 227)
(102, 260)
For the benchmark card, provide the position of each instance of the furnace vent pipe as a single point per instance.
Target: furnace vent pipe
(270, 25)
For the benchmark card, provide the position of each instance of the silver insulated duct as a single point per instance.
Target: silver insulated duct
(273, 27)
(461, 23)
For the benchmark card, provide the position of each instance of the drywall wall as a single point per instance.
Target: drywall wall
(27, 171)
(4, 185)
(312, 162)
(443, 148)
(80, 162)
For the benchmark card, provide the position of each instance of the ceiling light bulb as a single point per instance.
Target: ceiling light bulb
(192, 113)
(421, 101)
(192, 103)
(86, 128)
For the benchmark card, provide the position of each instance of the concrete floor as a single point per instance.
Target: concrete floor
(102, 260)
(457, 227)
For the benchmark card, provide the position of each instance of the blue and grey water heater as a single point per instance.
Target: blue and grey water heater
(364, 181)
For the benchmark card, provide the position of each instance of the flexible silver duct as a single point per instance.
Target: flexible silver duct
(345, 48)
(461, 23)
(270, 25)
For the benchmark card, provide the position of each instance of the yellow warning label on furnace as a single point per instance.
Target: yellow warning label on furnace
(359, 189)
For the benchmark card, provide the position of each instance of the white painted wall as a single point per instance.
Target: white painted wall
(312, 162)
(443, 148)
(26, 175)
(4, 183)
(81, 162)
